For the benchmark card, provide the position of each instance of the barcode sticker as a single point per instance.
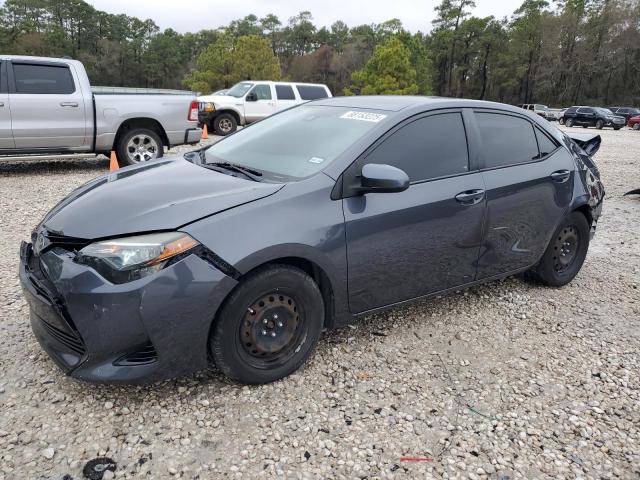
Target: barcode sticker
(364, 116)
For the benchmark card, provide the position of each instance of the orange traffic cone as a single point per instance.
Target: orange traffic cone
(113, 162)
(205, 132)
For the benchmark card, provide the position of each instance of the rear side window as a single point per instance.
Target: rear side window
(430, 147)
(311, 92)
(285, 92)
(263, 92)
(585, 110)
(545, 144)
(42, 79)
(506, 140)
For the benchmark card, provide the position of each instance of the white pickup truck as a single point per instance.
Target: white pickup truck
(47, 107)
(251, 101)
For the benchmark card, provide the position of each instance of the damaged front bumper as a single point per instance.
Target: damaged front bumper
(145, 330)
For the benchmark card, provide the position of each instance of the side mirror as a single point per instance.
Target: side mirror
(376, 178)
(252, 97)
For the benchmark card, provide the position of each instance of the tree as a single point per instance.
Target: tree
(214, 67)
(388, 72)
(253, 59)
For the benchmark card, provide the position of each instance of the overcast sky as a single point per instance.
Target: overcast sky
(194, 15)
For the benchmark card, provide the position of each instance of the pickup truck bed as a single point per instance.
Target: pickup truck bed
(47, 106)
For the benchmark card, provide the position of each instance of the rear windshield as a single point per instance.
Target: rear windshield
(296, 143)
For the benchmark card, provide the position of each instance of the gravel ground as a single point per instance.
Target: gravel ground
(507, 380)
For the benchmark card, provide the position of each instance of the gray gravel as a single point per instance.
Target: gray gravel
(507, 380)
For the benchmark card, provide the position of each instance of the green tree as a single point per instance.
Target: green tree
(253, 59)
(388, 72)
(214, 67)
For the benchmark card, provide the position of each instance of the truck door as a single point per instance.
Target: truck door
(259, 103)
(47, 105)
(6, 137)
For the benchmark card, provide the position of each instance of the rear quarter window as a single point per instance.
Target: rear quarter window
(506, 140)
(43, 79)
(545, 144)
(311, 92)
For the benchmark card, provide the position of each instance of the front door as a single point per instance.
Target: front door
(427, 238)
(47, 106)
(262, 103)
(6, 136)
(586, 116)
(528, 180)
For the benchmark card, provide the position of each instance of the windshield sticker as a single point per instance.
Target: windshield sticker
(316, 160)
(364, 116)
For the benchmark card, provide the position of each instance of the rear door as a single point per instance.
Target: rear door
(6, 137)
(263, 105)
(285, 96)
(47, 105)
(529, 179)
(427, 238)
(586, 116)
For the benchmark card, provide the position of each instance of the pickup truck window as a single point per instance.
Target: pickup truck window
(285, 92)
(311, 92)
(43, 79)
(239, 89)
(263, 92)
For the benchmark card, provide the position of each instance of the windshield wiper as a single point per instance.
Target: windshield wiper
(250, 173)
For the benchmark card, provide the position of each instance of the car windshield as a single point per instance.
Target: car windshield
(296, 143)
(239, 89)
(542, 107)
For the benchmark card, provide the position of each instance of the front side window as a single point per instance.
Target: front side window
(427, 148)
(294, 144)
(239, 89)
(506, 140)
(263, 92)
(43, 79)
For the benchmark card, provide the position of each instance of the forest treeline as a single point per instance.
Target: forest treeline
(561, 53)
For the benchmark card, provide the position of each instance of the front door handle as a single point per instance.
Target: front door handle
(560, 176)
(68, 104)
(470, 197)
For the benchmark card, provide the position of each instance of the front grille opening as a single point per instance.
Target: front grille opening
(143, 355)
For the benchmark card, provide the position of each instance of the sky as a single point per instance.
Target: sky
(194, 15)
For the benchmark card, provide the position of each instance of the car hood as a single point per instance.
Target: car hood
(222, 99)
(164, 194)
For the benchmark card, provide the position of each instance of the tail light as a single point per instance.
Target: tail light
(193, 112)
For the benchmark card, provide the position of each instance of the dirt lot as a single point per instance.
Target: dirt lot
(508, 380)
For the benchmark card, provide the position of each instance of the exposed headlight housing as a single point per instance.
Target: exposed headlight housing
(125, 259)
(208, 107)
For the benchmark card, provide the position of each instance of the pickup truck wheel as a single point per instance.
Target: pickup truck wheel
(269, 325)
(139, 145)
(599, 124)
(224, 124)
(569, 122)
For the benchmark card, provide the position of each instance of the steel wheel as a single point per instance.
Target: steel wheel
(565, 248)
(270, 330)
(225, 125)
(142, 148)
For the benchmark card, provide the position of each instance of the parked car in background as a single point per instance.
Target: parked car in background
(247, 102)
(47, 106)
(241, 253)
(626, 112)
(592, 117)
(634, 122)
(555, 114)
(536, 108)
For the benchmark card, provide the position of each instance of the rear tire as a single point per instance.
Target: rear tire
(599, 124)
(269, 325)
(565, 253)
(138, 145)
(569, 122)
(225, 124)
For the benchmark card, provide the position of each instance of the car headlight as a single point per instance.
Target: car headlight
(125, 259)
(208, 107)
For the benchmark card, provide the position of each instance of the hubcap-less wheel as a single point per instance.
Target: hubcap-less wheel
(225, 125)
(565, 248)
(141, 148)
(270, 330)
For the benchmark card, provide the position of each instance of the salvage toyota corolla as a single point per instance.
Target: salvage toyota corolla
(240, 254)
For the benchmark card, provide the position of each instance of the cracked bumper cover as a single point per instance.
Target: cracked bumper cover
(87, 324)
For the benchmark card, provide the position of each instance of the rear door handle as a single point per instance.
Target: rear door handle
(470, 197)
(560, 176)
(68, 104)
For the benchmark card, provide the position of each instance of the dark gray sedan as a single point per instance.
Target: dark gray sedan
(241, 253)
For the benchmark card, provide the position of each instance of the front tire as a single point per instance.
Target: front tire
(569, 122)
(225, 124)
(139, 145)
(565, 253)
(636, 126)
(269, 325)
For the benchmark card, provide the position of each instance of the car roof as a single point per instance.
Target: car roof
(271, 82)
